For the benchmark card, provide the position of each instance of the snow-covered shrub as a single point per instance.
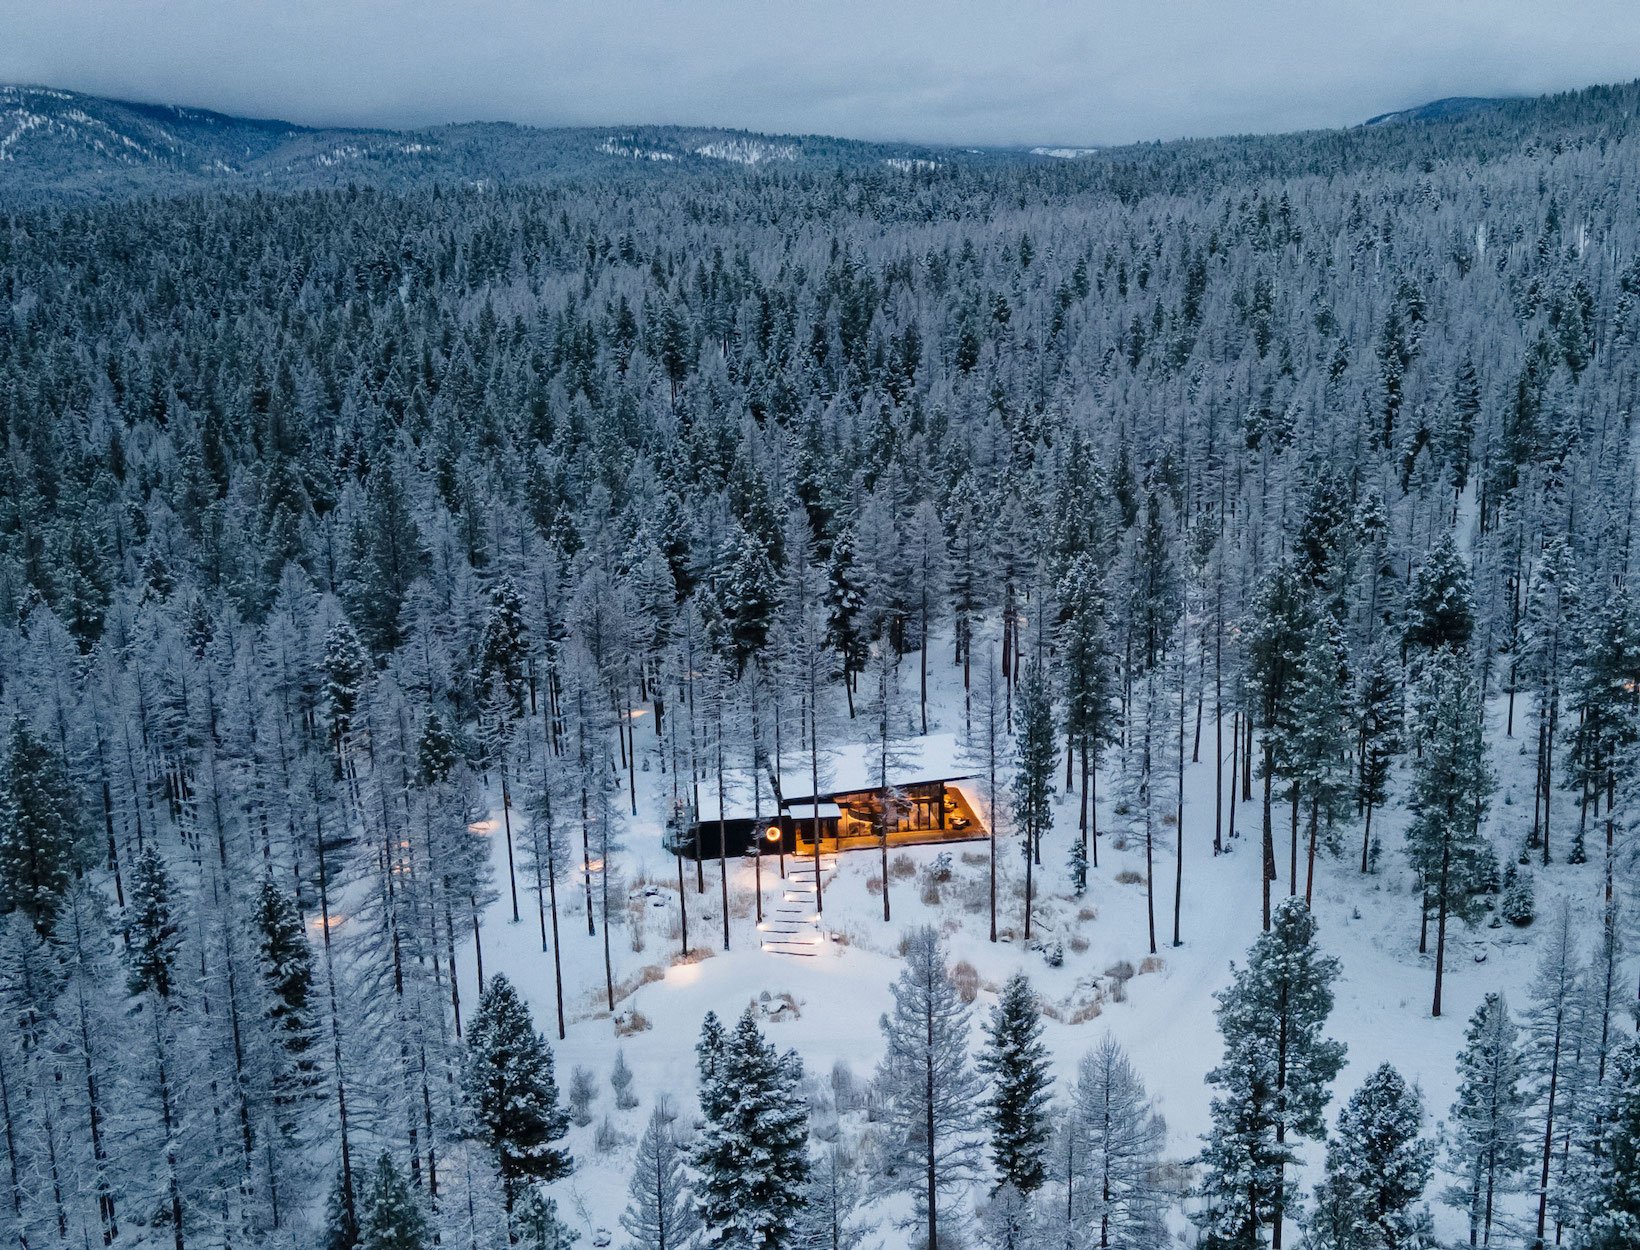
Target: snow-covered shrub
(1518, 906)
(620, 1080)
(583, 1092)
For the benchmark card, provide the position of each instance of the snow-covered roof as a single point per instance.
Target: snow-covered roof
(852, 766)
(807, 811)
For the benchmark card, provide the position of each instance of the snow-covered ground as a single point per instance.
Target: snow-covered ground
(1164, 1016)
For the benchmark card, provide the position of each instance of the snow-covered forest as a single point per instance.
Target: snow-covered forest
(391, 575)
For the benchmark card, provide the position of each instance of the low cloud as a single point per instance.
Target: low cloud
(960, 71)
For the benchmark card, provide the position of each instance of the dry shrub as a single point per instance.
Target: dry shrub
(629, 1022)
(1121, 971)
(1079, 944)
(966, 978)
(1119, 842)
(1118, 992)
(1152, 963)
(1128, 877)
(694, 955)
(646, 975)
(1087, 913)
(902, 867)
(1087, 1011)
(930, 893)
(874, 885)
(1050, 1011)
(975, 858)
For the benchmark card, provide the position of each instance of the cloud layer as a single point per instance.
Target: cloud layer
(963, 71)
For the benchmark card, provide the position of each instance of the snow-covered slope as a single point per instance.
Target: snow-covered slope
(1159, 1006)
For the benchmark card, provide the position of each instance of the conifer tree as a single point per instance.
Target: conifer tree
(341, 1221)
(512, 1097)
(927, 1085)
(1278, 625)
(38, 821)
(1378, 1165)
(659, 1215)
(1440, 609)
(1487, 1146)
(1450, 786)
(829, 1219)
(1035, 753)
(1611, 1195)
(1379, 715)
(1113, 1198)
(389, 1216)
(538, 1225)
(1015, 1061)
(751, 1158)
(1277, 1066)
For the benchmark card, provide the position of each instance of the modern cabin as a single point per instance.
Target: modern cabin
(925, 802)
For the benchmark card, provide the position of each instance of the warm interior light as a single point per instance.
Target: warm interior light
(774, 833)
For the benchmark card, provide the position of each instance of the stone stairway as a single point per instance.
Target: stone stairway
(792, 926)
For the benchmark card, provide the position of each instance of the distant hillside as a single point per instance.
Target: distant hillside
(1449, 109)
(62, 146)
(65, 145)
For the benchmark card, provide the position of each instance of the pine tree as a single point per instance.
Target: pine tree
(504, 647)
(750, 1159)
(1316, 745)
(151, 932)
(1277, 626)
(285, 962)
(1015, 1060)
(1035, 756)
(659, 1215)
(512, 1098)
(389, 1216)
(538, 1225)
(1275, 1073)
(346, 668)
(341, 1221)
(1487, 1125)
(38, 829)
(1550, 1026)
(928, 1088)
(828, 1218)
(1611, 1199)
(1450, 787)
(1113, 1198)
(1378, 1165)
(1440, 608)
(1378, 700)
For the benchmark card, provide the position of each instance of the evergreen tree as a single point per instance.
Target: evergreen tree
(1316, 745)
(1035, 755)
(1274, 1078)
(1015, 1060)
(1450, 786)
(659, 1215)
(538, 1225)
(1113, 1196)
(504, 647)
(151, 932)
(1487, 1126)
(750, 1160)
(1440, 609)
(828, 1218)
(512, 1098)
(286, 967)
(38, 819)
(1378, 1165)
(389, 1216)
(1611, 1205)
(341, 1222)
(928, 1088)
(1378, 700)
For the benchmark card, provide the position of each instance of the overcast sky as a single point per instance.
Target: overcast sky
(997, 71)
